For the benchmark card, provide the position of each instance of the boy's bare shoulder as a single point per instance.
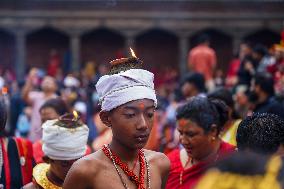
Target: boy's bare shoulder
(30, 186)
(157, 158)
(90, 164)
(153, 155)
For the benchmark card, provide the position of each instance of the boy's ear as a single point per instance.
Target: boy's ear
(105, 118)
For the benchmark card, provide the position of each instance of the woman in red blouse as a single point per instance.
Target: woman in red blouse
(200, 121)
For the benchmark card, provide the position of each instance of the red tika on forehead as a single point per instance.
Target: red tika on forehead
(141, 106)
(182, 122)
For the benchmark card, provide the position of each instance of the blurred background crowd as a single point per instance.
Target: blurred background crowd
(189, 55)
(254, 82)
(249, 67)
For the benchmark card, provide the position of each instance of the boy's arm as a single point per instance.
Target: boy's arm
(77, 177)
(164, 165)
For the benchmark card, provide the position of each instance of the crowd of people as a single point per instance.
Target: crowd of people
(115, 126)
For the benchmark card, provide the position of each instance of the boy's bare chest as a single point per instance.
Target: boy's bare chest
(110, 178)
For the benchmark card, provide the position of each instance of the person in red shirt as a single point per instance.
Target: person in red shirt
(200, 121)
(202, 59)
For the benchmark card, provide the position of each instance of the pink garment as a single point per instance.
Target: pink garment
(37, 98)
(202, 59)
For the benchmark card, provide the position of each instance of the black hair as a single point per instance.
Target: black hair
(260, 49)
(222, 94)
(57, 104)
(204, 112)
(244, 167)
(266, 82)
(203, 38)
(261, 133)
(243, 163)
(196, 79)
(225, 95)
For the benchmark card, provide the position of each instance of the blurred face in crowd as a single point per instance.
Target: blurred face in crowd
(256, 56)
(197, 143)
(48, 113)
(188, 90)
(245, 50)
(48, 84)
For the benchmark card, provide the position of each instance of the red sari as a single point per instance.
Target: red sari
(191, 175)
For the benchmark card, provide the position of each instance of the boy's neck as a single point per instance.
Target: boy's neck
(124, 153)
(54, 179)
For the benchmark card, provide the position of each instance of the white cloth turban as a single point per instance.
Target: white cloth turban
(118, 89)
(60, 143)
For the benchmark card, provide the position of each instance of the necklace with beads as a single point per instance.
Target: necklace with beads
(190, 160)
(134, 178)
(181, 173)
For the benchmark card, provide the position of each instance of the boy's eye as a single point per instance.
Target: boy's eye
(190, 134)
(129, 115)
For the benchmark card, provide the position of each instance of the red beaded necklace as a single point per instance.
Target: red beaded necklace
(116, 160)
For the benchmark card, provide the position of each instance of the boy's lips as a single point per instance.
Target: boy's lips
(142, 137)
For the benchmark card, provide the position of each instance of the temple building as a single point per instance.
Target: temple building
(161, 31)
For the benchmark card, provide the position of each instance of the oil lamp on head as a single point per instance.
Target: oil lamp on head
(132, 59)
(69, 120)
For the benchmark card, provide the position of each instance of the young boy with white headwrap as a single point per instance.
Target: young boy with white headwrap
(128, 102)
(64, 141)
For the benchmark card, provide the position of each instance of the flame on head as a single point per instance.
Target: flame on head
(132, 53)
(75, 115)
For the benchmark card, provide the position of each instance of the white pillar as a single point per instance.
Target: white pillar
(183, 51)
(75, 51)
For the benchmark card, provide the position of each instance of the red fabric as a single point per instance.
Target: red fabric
(6, 164)
(202, 59)
(26, 151)
(53, 66)
(38, 153)
(233, 67)
(88, 150)
(191, 175)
